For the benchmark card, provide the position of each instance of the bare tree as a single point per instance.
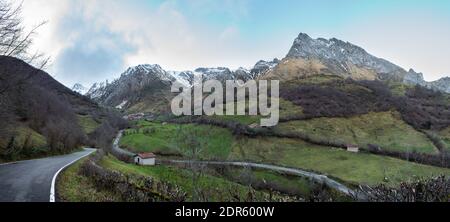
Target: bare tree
(191, 143)
(16, 41)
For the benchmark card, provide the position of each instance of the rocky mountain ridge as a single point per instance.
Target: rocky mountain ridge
(135, 83)
(348, 60)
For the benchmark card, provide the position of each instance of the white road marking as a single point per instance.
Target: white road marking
(52, 188)
(16, 162)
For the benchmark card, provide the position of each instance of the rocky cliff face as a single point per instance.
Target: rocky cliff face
(442, 84)
(262, 67)
(309, 56)
(414, 78)
(134, 85)
(338, 54)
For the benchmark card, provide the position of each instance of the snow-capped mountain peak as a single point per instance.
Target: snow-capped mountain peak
(127, 90)
(79, 89)
(339, 53)
(97, 90)
(262, 66)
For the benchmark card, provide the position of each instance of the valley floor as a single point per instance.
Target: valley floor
(221, 144)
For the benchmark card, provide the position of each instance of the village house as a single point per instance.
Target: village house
(134, 117)
(352, 148)
(145, 159)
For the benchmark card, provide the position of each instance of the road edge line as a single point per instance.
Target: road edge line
(52, 188)
(15, 162)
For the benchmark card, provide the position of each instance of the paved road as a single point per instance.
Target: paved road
(116, 148)
(30, 181)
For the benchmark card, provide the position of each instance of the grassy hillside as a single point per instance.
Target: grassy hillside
(353, 168)
(87, 123)
(385, 129)
(357, 168)
(170, 138)
(39, 116)
(207, 186)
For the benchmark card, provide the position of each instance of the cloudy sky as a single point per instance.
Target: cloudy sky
(95, 40)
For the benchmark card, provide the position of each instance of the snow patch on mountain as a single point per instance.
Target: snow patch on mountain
(334, 51)
(122, 105)
(414, 78)
(97, 90)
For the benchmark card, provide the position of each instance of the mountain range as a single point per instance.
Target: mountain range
(142, 85)
(147, 87)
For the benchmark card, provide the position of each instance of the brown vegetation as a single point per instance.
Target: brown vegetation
(432, 190)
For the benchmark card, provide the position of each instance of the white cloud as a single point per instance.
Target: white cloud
(136, 34)
(161, 35)
(50, 11)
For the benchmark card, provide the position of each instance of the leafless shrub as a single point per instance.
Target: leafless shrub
(429, 190)
(341, 98)
(424, 109)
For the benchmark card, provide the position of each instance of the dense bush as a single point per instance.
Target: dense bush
(130, 188)
(317, 193)
(35, 100)
(45, 113)
(424, 109)
(440, 160)
(431, 190)
(338, 99)
(420, 107)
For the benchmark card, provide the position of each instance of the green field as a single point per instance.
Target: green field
(359, 168)
(355, 168)
(168, 139)
(87, 123)
(383, 129)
